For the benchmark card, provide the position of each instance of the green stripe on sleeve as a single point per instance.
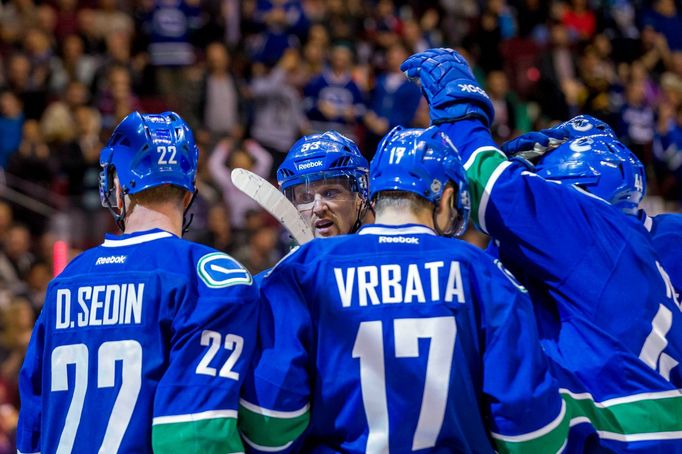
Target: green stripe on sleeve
(549, 439)
(271, 429)
(207, 436)
(646, 416)
(641, 417)
(480, 168)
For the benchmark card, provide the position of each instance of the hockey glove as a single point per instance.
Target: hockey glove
(534, 144)
(449, 86)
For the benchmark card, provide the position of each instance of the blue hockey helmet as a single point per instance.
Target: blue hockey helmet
(420, 161)
(585, 125)
(320, 156)
(149, 150)
(601, 165)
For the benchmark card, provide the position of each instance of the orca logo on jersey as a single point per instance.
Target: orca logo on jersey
(112, 259)
(219, 270)
(508, 274)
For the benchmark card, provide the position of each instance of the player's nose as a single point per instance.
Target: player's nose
(320, 204)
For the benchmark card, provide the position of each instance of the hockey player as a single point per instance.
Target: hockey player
(325, 177)
(665, 229)
(399, 339)
(607, 315)
(143, 341)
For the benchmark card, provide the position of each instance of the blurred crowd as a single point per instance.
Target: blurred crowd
(252, 76)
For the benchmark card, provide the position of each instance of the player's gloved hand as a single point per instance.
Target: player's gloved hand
(534, 144)
(449, 86)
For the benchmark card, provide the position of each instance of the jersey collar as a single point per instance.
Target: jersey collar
(405, 229)
(129, 239)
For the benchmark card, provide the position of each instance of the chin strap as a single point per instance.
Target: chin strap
(119, 218)
(452, 230)
(362, 211)
(187, 221)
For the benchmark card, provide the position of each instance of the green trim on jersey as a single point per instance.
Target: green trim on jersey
(640, 417)
(207, 436)
(273, 432)
(481, 170)
(548, 439)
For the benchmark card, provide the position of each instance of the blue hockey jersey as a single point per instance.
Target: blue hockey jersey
(143, 342)
(666, 236)
(397, 339)
(607, 316)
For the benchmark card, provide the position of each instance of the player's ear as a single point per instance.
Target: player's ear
(447, 200)
(119, 193)
(186, 199)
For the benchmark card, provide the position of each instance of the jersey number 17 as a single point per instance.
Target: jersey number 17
(369, 348)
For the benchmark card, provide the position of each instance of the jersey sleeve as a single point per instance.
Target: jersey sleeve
(275, 407)
(538, 222)
(527, 412)
(213, 337)
(30, 385)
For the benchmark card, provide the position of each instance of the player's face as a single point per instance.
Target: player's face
(329, 205)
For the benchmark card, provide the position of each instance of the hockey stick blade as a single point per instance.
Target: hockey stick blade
(274, 202)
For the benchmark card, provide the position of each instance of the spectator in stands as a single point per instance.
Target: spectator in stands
(636, 124)
(278, 118)
(668, 143)
(228, 155)
(511, 117)
(220, 99)
(11, 125)
(665, 18)
(73, 66)
(333, 100)
(259, 253)
(393, 101)
(32, 161)
(31, 90)
(580, 19)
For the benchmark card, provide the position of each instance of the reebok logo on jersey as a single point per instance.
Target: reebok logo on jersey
(399, 239)
(112, 259)
(309, 165)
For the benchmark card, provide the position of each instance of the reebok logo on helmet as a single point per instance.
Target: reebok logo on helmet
(309, 165)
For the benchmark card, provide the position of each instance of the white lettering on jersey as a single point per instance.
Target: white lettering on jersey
(399, 283)
(454, 287)
(345, 285)
(112, 259)
(100, 305)
(669, 288)
(367, 285)
(399, 239)
(413, 287)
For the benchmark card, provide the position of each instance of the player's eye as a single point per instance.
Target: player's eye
(305, 197)
(331, 194)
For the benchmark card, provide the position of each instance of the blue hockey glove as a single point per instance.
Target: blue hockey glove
(449, 86)
(534, 144)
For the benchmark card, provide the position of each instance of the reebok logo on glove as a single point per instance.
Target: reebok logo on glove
(471, 88)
